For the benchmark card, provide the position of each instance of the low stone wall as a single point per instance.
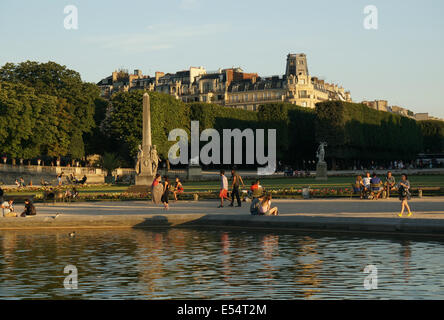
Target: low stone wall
(34, 173)
(430, 227)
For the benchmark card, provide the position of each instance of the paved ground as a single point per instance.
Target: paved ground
(327, 215)
(423, 208)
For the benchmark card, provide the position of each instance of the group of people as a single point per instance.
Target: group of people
(8, 209)
(167, 188)
(71, 179)
(372, 187)
(74, 180)
(20, 182)
(261, 202)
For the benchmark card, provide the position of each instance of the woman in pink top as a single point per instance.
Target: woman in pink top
(265, 207)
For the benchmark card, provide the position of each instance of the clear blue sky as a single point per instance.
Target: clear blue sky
(401, 62)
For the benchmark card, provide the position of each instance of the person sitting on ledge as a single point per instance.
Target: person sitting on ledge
(8, 209)
(255, 204)
(29, 209)
(178, 188)
(83, 181)
(73, 179)
(265, 208)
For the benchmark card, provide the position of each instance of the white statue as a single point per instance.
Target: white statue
(139, 159)
(320, 153)
(154, 159)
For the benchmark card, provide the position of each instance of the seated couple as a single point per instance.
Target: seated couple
(262, 206)
(368, 187)
(9, 211)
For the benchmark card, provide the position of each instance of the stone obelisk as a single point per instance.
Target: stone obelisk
(146, 175)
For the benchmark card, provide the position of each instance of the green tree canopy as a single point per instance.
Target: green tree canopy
(72, 113)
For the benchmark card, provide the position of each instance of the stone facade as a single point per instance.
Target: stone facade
(380, 105)
(8, 174)
(233, 87)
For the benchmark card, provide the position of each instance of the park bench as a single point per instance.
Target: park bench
(418, 190)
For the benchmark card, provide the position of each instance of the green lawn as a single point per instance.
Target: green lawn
(268, 183)
(338, 182)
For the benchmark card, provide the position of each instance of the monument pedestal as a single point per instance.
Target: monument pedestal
(143, 184)
(321, 170)
(194, 173)
(144, 180)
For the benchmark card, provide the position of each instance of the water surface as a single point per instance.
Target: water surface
(213, 264)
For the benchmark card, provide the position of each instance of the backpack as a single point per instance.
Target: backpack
(254, 208)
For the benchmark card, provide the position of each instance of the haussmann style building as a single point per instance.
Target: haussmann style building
(233, 87)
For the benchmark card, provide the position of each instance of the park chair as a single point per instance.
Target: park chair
(376, 188)
(357, 189)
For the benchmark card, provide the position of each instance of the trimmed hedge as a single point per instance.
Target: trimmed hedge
(354, 131)
(433, 135)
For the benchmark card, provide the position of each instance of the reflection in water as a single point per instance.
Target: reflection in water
(309, 262)
(196, 264)
(406, 254)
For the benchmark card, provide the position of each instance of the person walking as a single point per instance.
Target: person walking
(404, 194)
(223, 193)
(237, 180)
(166, 190)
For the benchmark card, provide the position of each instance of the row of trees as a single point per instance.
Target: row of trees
(47, 110)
